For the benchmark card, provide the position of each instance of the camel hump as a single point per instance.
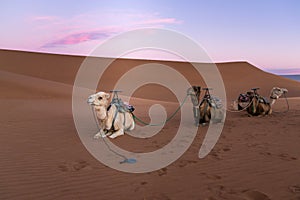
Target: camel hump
(244, 98)
(263, 100)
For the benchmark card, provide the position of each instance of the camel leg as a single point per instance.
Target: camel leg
(100, 134)
(202, 120)
(196, 112)
(131, 127)
(207, 119)
(117, 133)
(270, 112)
(130, 124)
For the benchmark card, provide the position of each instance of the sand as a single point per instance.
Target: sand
(42, 156)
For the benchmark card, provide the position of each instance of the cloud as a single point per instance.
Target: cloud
(77, 29)
(44, 18)
(160, 21)
(79, 37)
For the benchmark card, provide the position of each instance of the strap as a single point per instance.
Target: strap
(114, 119)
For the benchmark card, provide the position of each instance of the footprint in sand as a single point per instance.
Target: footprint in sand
(215, 154)
(162, 171)
(184, 163)
(226, 149)
(266, 153)
(255, 195)
(217, 190)
(156, 145)
(63, 168)
(74, 166)
(282, 156)
(285, 156)
(212, 176)
(295, 188)
(79, 165)
(142, 185)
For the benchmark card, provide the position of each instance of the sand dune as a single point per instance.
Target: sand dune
(238, 76)
(42, 156)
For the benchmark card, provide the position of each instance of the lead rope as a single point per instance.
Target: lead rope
(287, 103)
(126, 160)
(237, 111)
(167, 120)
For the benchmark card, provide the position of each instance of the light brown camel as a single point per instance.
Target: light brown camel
(261, 106)
(113, 121)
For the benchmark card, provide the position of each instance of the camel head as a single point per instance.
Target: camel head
(100, 103)
(276, 92)
(99, 99)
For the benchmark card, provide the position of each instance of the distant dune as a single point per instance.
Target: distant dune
(42, 156)
(238, 76)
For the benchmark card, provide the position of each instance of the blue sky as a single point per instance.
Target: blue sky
(262, 32)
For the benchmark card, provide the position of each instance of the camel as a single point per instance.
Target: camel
(261, 106)
(209, 109)
(114, 118)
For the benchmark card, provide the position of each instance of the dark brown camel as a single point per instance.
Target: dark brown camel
(207, 110)
(261, 106)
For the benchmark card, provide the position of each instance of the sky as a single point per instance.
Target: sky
(264, 33)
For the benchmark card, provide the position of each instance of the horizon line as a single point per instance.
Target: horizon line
(270, 70)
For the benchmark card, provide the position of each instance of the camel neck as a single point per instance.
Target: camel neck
(272, 101)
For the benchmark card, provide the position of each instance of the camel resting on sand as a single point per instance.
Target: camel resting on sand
(261, 106)
(114, 118)
(208, 110)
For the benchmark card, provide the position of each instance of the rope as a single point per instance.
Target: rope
(126, 160)
(287, 103)
(167, 120)
(236, 111)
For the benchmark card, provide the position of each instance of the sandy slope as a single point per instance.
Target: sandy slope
(238, 76)
(42, 156)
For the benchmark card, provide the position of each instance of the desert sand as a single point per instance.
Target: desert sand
(42, 157)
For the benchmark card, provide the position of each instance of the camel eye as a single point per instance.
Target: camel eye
(99, 98)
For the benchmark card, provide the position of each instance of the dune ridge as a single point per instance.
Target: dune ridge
(237, 76)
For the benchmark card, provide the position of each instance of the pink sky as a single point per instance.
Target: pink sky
(266, 34)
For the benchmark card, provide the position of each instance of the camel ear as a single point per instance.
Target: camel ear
(107, 96)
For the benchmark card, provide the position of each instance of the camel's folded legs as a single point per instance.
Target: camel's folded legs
(117, 133)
